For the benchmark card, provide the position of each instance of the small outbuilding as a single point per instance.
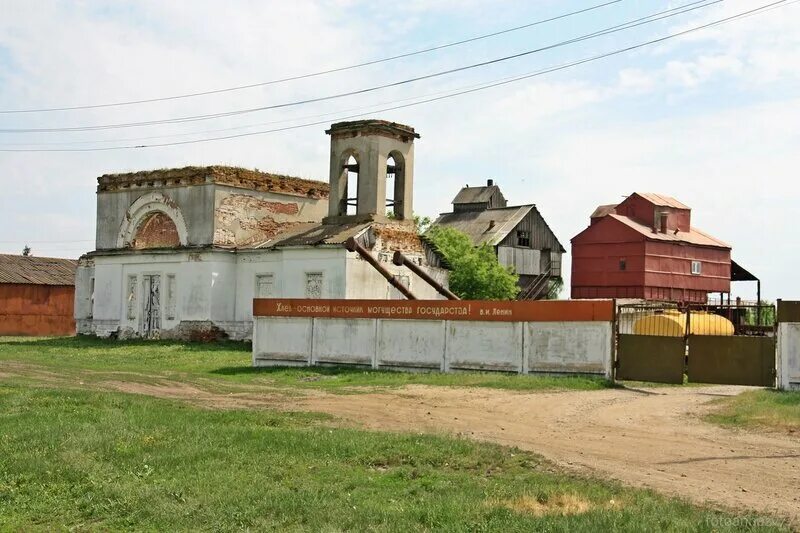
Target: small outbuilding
(37, 295)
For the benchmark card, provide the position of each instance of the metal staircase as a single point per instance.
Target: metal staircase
(538, 287)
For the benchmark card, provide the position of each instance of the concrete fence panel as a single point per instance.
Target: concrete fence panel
(414, 344)
(343, 341)
(282, 341)
(552, 337)
(484, 346)
(788, 355)
(572, 347)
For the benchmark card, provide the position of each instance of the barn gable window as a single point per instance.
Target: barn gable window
(523, 238)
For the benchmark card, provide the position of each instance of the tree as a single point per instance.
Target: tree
(26, 251)
(475, 272)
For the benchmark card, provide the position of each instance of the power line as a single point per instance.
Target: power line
(194, 118)
(45, 242)
(323, 72)
(767, 7)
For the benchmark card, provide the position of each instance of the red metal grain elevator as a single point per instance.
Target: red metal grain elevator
(646, 248)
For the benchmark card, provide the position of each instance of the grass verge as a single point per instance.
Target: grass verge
(771, 409)
(230, 362)
(83, 460)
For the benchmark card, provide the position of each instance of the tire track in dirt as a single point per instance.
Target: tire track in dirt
(651, 437)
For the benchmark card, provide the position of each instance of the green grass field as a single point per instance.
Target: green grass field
(231, 362)
(77, 459)
(771, 409)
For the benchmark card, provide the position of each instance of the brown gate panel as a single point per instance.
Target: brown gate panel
(732, 360)
(650, 358)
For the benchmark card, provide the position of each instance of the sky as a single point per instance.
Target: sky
(711, 118)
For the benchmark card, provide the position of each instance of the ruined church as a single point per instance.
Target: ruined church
(181, 253)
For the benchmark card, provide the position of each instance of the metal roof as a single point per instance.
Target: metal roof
(29, 270)
(694, 236)
(489, 226)
(661, 200)
(739, 273)
(603, 210)
(315, 234)
(475, 195)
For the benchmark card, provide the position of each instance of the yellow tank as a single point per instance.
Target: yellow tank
(672, 323)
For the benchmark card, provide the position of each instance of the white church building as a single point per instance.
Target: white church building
(181, 253)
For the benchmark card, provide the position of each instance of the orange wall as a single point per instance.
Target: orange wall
(36, 310)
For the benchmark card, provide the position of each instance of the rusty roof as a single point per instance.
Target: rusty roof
(661, 200)
(30, 270)
(315, 234)
(223, 175)
(693, 236)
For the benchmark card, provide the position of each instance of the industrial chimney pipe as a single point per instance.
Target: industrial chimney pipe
(352, 246)
(399, 259)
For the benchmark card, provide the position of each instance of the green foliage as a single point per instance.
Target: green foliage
(475, 272)
(26, 251)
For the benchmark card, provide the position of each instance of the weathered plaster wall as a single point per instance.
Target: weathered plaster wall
(246, 218)
(195, 202)
(364, 282)
(287, 270)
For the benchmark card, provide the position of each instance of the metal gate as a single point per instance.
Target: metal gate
(706, 344)
(732, 345)
(651, 345)
(151, 303)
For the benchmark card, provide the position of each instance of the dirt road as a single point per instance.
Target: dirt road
(651, 438)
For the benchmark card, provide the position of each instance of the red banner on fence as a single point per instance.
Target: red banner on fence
(480, 310)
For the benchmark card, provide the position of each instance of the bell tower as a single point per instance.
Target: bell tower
(371, 171)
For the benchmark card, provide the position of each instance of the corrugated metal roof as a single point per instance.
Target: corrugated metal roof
(475, 195)
(30, 270)
(489, 226)
(662, 200)
(694, 236)
(315, 234)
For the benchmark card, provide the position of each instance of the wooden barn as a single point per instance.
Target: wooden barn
(520, 236)
(37, 295)
(645, 248)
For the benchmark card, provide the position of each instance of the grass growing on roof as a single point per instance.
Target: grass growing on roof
(106, 461)
(231, 362)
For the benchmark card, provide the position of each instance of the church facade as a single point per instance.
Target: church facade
(181, 253)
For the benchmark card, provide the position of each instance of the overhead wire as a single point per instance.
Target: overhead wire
(763, 8)
(194, 118)
(322, 72)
